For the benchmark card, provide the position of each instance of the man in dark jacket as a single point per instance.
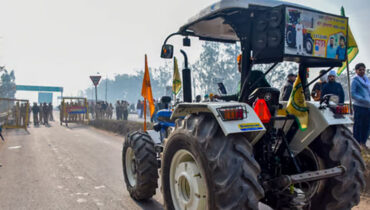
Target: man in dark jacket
(288, 87)
(35, 112)
(333, 87)
(45, 113)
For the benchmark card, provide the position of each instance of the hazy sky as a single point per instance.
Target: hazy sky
(62, 42)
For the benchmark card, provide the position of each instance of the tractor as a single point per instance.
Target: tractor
(308, 45)
(239, 154)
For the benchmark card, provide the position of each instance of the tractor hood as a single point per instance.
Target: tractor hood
(209, 23)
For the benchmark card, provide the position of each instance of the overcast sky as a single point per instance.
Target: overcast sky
(62, 42)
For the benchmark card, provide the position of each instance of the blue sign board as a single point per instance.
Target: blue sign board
(45, 97)
(39, 88)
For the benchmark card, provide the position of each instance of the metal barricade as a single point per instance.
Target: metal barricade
(14, 113)
(74, 110)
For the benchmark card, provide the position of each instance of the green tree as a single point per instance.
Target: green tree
(7, 87)
(217, 63)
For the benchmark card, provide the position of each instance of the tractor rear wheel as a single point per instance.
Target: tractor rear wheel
(336, 146)
(204, 169)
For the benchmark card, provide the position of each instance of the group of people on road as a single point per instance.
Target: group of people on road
(122, 110)
(20, 114)
(104, 110)
(42, 113)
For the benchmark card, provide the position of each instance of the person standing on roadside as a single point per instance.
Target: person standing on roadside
(118, 109)
(50, 108)
(23, 114)
(41, 114)
(17, 114)
(125, 110)
(35, 113)
(360, 91)
(138, 107)
(45, 113)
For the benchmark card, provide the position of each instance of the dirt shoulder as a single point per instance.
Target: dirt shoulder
(366, 157)
(119, 127)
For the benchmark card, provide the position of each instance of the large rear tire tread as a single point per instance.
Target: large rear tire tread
(227, 161)
(337, 146)
(146, 165)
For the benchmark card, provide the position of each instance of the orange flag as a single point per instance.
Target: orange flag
(146, 90)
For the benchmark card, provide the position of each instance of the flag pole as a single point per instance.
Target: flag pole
(144, 114)
(349, 88)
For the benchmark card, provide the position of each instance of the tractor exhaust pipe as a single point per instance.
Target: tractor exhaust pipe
(186, 79)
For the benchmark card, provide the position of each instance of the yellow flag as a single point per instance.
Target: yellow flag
(146, 90)
(297, 105)
(176, 82)
(352, 49)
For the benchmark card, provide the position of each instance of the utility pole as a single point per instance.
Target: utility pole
(106, 88)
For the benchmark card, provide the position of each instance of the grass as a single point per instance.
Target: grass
(122, 127)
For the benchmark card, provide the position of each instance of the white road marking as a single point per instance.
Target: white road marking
(81, 200)
(97, 202)
(14, 147)
(85, 194)
(99, 187)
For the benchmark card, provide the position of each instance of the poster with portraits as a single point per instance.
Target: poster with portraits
(315, 34)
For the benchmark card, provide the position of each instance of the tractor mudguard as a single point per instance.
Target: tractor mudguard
(251, 125)
(318, 121)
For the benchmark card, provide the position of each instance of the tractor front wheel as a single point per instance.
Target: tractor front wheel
(140, 165)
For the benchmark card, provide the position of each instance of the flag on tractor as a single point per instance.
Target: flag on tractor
(176, 82)
(146, 90)
(352, 49)
(297, 105)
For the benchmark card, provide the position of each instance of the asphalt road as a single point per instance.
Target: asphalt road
(64, 168)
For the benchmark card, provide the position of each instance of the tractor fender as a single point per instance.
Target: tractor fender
(251, 125)
(318, 121)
